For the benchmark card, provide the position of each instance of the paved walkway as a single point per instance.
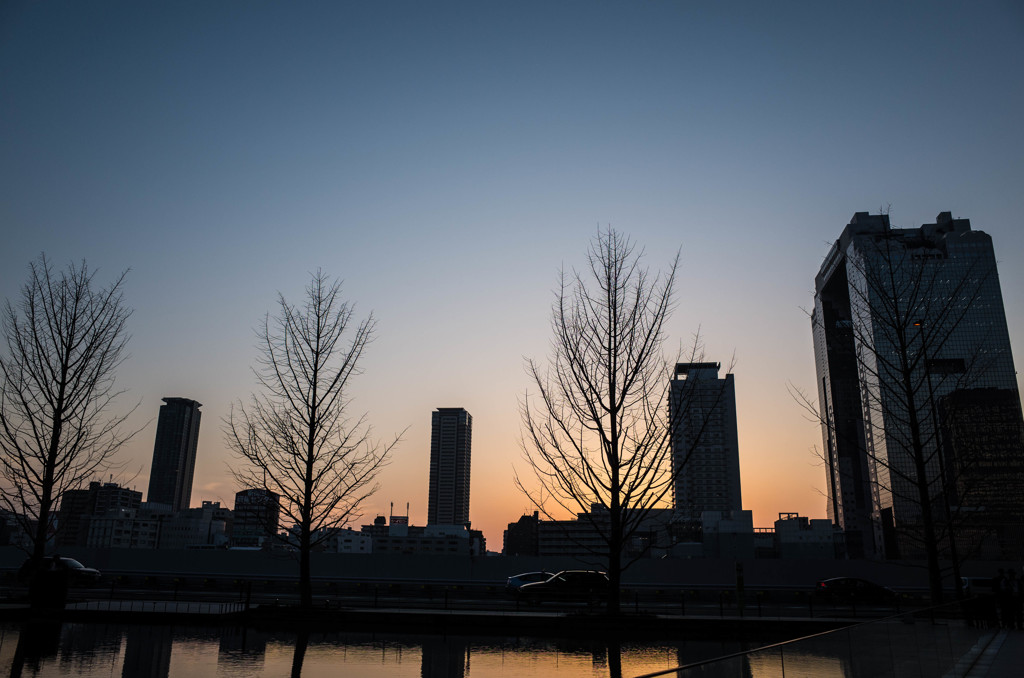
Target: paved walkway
(1003, 658)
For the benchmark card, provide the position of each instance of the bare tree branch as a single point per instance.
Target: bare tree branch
(65, 339)
(296, 437)
(596, 433)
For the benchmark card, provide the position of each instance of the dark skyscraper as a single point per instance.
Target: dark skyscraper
(174, 454)
(911, 318)
(705, 442)
(450, 438)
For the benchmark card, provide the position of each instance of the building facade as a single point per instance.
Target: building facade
(208, 526)
(80, 508)
(174, 453)
(256, 517)
(903, 319)
(397, 536)
(520, 538)
(124, 528)
(450, 443)
(705, 442)
(983, 448)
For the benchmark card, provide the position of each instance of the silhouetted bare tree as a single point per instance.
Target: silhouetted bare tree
(598, 430)
(65, 339)
(296, 435)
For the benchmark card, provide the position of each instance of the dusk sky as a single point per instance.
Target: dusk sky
(445, 159)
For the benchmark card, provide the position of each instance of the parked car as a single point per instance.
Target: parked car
(853, 590)
(53, 566)
(568, 585)
(517, 581)
(976, 586)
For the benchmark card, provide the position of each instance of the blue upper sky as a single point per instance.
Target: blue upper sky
(446, 158)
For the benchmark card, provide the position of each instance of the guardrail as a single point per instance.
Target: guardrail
(432, 594)
(159, 607)
(935, 641)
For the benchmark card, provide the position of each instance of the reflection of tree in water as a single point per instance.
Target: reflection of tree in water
(614, 651)
(698, 650)
(77, 647)
(605, 654)
(147, 651)
(36, 641)
(299, 655)
(445, 657)
(242, 646)
(82, 645)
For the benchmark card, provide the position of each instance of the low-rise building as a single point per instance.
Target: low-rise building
(347, 540)
(401, 537)
(798, 537)
(728, 534)
(123, 528)
(204, 527)
(521, 537)
(79, 508)
(585, 535)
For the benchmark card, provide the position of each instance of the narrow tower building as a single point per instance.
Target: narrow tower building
(174, 453)
(450, 440)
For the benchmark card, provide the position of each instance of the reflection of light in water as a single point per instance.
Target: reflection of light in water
(797, 665)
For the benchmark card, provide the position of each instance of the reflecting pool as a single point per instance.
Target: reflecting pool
(72, 649)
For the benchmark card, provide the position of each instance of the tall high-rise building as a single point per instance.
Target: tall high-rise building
(450, 438)
(174, 453)
(903, 321)
(705, 443)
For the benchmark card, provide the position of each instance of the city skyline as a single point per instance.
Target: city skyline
(447, 161)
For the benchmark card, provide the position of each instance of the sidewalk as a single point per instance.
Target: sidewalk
(1003, 658)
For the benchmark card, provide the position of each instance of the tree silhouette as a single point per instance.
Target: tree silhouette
(65, 339)
(296, 436)
(597, 433)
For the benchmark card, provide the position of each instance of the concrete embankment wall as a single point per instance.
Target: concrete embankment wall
(668, 572)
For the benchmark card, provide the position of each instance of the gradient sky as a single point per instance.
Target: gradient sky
(446, 158)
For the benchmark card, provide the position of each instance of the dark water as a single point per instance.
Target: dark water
(193, 652)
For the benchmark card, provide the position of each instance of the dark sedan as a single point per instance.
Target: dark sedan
(517, 581)
(53, 568)
(569, 585)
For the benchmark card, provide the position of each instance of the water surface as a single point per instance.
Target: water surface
(94, 650)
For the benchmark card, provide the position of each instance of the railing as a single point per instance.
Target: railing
(159, 606)
(936, 641)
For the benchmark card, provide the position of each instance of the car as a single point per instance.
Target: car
(568, 585)
(51, 566)
(976, 586)
(853, 590)
(516, 581)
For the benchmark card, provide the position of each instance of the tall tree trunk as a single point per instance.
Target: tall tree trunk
(923, 493)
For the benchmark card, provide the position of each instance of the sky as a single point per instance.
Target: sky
(446, 159)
